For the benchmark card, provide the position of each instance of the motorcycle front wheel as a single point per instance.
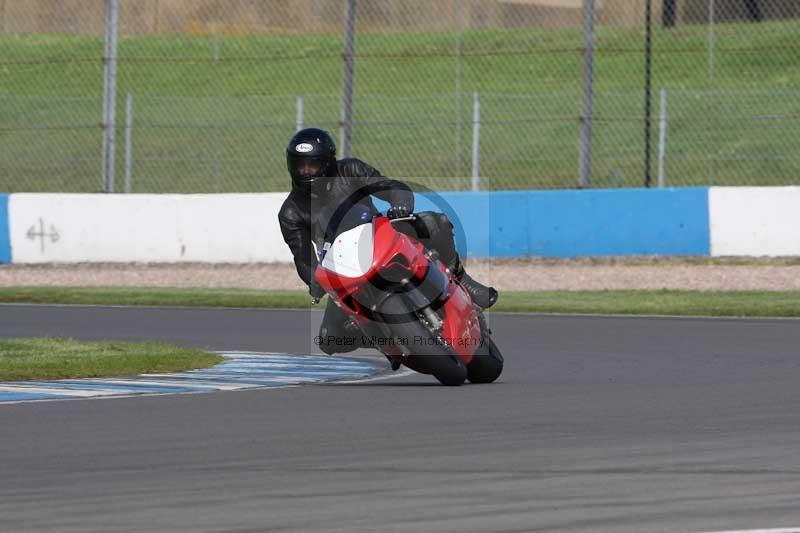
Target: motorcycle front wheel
(429, 354)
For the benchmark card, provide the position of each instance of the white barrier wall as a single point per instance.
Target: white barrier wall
(238, 228)
(228, 228)
(754, 221)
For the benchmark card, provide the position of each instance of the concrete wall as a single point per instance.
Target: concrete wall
(755, 221)
(578, 223)
(145, 228)
(731, 221)
(5, 241)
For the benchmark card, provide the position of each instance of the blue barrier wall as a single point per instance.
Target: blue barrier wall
(577, 223)
(619, 222)
(5, 238)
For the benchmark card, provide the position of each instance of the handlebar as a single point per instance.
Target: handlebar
(412, 216)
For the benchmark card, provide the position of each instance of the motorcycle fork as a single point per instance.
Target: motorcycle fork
(432, 320)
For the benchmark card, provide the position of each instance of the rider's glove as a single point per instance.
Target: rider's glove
(315, 290)
(398, 211)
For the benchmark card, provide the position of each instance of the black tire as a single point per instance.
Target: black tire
(487, 363)
(431, 356)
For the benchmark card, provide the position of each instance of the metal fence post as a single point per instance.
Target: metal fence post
(662, 137)
(217, 103)
(476, 141)
(349, 79)
(588, 94)
(128, 143)
(459, 11)
(712, 148)
(300, 113)
(648, 92)
(110, 94)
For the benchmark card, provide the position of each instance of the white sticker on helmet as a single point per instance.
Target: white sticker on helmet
(304, 148)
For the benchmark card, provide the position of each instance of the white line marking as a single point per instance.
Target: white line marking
(213, 376)
(659, 317)
(403, 373)
(55, 390)
(168, 384)
(783, 530)
(306, 369)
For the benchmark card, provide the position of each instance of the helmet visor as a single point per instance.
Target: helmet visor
(308, 167)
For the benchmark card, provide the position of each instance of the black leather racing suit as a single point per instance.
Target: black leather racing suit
(355, 183)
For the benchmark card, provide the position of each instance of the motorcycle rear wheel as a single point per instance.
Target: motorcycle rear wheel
(487, 363)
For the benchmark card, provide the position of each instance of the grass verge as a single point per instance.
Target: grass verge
(194, 297)
(660, 302)
(57, 358)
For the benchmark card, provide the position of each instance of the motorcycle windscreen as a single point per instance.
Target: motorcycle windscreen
(350, 254)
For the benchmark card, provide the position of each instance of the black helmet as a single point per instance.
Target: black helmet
(311, 157)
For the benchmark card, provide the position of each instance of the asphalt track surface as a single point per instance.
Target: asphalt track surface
(598, 424)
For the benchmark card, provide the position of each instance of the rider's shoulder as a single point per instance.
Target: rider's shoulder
(352, 167)
(291, 206)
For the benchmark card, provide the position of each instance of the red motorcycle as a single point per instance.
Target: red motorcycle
(406, 303)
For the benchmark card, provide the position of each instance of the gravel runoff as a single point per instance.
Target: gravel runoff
(517, 275)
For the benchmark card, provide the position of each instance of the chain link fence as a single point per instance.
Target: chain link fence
(481, 94)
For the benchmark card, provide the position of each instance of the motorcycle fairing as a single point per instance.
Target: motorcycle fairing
(359, 290)
(350, 253)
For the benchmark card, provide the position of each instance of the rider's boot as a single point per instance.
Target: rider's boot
(352, 329)
(482, 296)
(346, 331)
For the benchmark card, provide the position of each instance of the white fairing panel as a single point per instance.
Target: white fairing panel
(350, 254)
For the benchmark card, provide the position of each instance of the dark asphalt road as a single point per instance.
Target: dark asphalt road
(598, 424)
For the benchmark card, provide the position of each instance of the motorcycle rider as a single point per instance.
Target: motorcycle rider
(319, 183)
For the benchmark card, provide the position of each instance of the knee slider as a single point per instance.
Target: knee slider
(444, 220)
(435, 222)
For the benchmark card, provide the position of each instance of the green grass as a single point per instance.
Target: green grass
(156, 296)
(663, 302)
(57, 358)
(239, 110)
